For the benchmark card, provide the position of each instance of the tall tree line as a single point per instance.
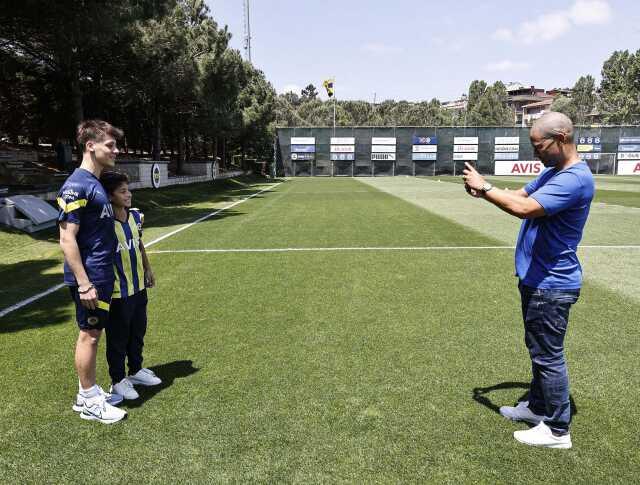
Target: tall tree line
(160, 69)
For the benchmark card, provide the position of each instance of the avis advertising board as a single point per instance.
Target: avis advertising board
(504, 167)
(628, 167)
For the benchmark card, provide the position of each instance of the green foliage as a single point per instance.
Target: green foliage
(620, 88)
(160, 69)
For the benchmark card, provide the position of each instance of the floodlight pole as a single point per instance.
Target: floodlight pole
(334, 107)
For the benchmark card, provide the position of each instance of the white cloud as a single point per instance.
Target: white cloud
(502, 34)
(507, 66)
(380, 49)
(546, 27)
(291, 88)
(590, 12)
(551, 26)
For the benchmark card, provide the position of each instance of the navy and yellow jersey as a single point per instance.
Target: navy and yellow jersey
(128, 262)
(82, 200)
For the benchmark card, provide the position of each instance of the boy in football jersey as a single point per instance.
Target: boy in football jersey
(133, 274)
(88, 241)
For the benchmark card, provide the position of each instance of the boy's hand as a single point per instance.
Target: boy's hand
(149, 279)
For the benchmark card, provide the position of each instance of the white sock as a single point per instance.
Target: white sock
(88, 393)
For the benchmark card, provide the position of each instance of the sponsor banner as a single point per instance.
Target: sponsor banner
(590, 156)
(629, 148)
(629, 167)
(589, 140)
(342, 149)
(383, 148)
(343, 140)
(423, 156)
(303, 148)
(628, 156)
(383, 156)
(425, 148)
(425, 140)
(309, 140)
(383, 140)
(506, 156)
(507, 140)
(303, 156)
(625, 140)
(343, 156)
(465, 140)
(533, 167)
(507, 148)
(465, 148)
(465, 156)
(589, 148)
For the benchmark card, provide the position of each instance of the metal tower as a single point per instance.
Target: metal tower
(247, 31)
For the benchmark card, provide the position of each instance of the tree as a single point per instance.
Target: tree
(565, 105)
(488, 107)
(620, 88)
(583, 98)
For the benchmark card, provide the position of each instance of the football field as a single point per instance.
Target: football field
(322, 330)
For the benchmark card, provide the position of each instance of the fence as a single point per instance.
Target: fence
(430, 151)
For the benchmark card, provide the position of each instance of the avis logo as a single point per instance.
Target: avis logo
(107, 211)
(526, 168)
(128, 246)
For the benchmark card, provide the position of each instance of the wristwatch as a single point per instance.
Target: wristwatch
(486, 187)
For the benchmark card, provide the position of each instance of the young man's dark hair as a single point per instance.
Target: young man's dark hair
(96, 130)
(112, 179)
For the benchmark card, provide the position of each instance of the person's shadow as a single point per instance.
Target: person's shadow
(168, 373)
(481, 395)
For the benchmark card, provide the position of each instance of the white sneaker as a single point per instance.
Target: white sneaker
(521, 412)
(125, 389)
(541, 435)
(111, 398)
(145, 377)
(97, 409)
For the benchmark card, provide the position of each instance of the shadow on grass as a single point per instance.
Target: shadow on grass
(54, 309)
(168, 373)
(481, 395)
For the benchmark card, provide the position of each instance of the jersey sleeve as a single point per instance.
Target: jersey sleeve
(534, 185)
(72, 200)
(561, 192)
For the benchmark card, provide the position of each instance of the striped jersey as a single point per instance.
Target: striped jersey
(128, 260)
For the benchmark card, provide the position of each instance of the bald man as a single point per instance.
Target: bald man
(554, 208)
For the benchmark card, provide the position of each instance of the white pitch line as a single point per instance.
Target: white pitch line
(364, 248)
(53, 289)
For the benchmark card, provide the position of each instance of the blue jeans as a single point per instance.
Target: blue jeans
(546, 313)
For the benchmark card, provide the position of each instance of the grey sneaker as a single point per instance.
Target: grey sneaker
(521, 412)
(145, 377)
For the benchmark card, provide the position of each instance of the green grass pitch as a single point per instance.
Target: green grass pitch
(355, 365)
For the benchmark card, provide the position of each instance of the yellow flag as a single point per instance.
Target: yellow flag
(328, 85)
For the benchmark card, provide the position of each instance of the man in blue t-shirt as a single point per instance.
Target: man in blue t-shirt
(554, 208)
(88, 241)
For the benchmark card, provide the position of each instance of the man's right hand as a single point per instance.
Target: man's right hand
(89, 299)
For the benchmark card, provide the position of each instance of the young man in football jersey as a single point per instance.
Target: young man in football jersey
(128, 315)
(88, 241)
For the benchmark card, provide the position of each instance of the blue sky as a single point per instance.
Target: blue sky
(417, 50)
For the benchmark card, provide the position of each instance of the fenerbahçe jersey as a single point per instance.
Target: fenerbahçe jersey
(82, 200)
(128, 261)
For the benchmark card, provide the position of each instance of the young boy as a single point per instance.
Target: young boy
(85, 220)
(128, 315)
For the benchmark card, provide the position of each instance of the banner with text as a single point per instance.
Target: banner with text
(628, 167)
(533, 167)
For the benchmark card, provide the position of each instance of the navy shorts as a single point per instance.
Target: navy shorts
(93, 319)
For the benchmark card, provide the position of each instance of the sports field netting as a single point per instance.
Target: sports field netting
(330, 330)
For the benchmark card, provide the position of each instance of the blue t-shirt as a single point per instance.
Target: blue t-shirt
(82, 200)
(546, 250)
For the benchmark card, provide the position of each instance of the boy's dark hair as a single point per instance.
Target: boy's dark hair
(96, 130)
(112, 179)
